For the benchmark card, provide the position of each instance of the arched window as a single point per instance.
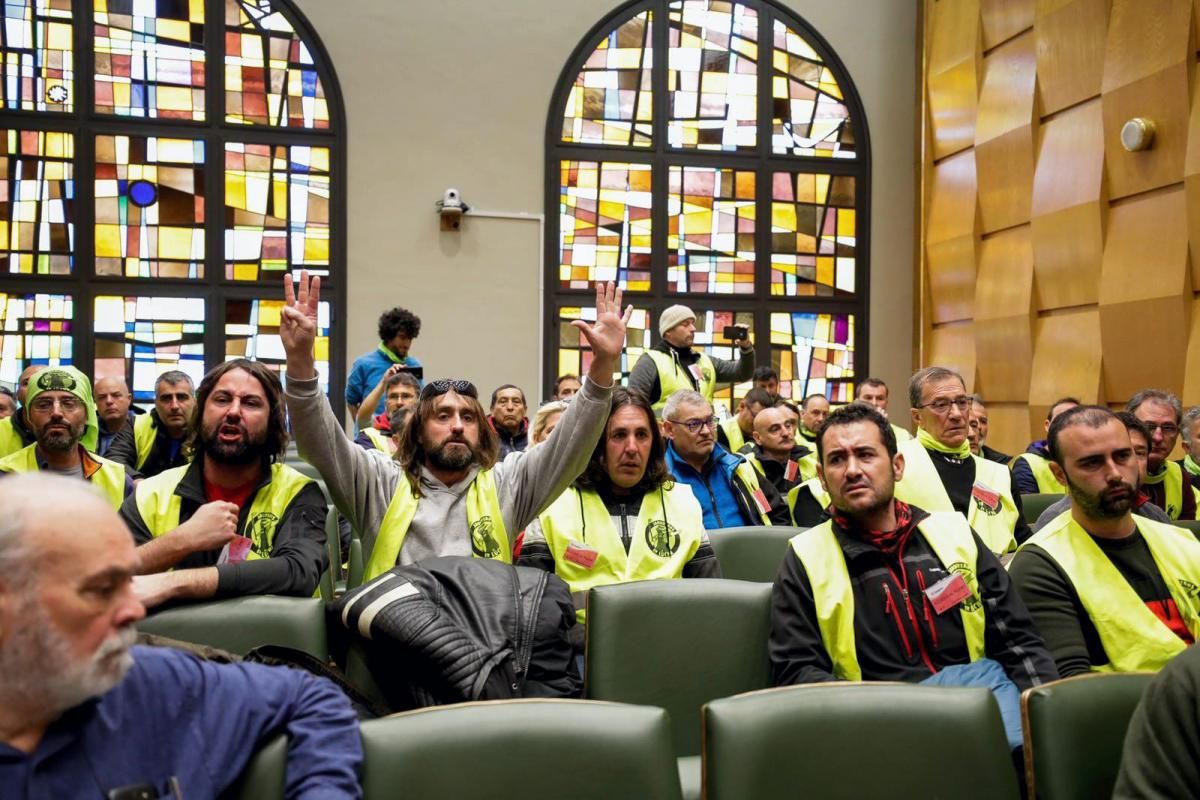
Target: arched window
(714, 154)
(162, 163)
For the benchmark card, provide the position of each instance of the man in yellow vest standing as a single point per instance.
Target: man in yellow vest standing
(62, 416)
(672, 364)
(447, 495)
(1110, 591)
(940, 472)
(14, 431)
(886, 591)
(1031, 470)
(1168, 486)
(235, 521)
(154, 442)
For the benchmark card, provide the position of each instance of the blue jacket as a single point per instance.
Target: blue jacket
(725, 501)
(366, 373)
(176, 716)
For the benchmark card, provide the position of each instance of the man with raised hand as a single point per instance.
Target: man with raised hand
(448, 495)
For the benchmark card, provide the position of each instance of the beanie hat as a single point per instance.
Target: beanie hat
(68, 379)
(672, 317)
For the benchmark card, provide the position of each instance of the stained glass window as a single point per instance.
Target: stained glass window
(34, 329)
(605, 228)
(37, 201)
(139, 338)
(738, 190)
(149, 58)
(611, 101)
(149, 207)
(252, 331)
(574, 353)
(37, 57)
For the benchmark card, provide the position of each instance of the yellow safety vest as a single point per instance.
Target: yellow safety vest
(806, 467)
(812, 486)
(379, 439)
(749, 479)
(902, 434)
(578, 528)
(733, 432)
(1040, 467)
(671, 377)
(488, 536)
(994, 522)
(10, 440)
(160, 507)
(1173, 482)
(1134, 639)
(144, 431)
(110, 478)
(824, 562)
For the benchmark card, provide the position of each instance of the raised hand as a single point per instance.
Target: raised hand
(607, 334)
(298, 324)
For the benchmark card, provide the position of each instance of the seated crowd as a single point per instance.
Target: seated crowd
(911, 559)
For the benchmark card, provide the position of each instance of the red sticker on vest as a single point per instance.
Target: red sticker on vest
(761, 499)
(790, 471)
(985, 498)
(948, 592)
(235, 550)
(581, 554)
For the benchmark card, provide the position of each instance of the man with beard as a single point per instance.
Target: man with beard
(235, 521)
(1169, 488)
(1110, 591)
(448, 495)
(63, 420)
(155, 441)
(14, 430)
(84, 713)
(886, 591)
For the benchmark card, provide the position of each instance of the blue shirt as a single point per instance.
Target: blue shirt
(713, 487)
(175, 715)
(366, 373)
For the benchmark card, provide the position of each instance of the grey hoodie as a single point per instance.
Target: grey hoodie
(362, 483)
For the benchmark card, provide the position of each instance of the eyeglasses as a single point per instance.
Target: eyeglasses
(694, 425)
(69, 403)
(942, 405)
(1168, 429)
(440, 387)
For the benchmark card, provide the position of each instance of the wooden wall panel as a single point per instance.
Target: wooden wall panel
(952, 199)
(1004, 19)
(1004, 134)
(1008, 428)
(954, 74)
(1144, 37)
(1191, 373)
(950, 268)
(1004, 315)
(1069, 36)
(1163, 98)
(954, 346)
(1191, 179)
(1066, 360)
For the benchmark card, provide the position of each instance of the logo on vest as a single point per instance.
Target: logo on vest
(972, 603)
(55, 380)
(986, 500)
(483, 542)
(1190, 588)
(662, 538)
(260, 530)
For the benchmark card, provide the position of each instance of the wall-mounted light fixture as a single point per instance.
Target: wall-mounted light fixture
(1137, 134)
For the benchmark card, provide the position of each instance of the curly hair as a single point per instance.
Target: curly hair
(398, 320)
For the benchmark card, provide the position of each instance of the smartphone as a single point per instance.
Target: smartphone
(416, 372)
(733, 332)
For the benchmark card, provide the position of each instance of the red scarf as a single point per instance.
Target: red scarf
(889, 542)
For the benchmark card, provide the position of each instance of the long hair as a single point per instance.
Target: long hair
(411, 452)
(596, 473)
(277, 435)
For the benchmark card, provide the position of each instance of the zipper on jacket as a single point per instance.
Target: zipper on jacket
(712, 498)
(889, 608)
(912, 616)
(625, 539)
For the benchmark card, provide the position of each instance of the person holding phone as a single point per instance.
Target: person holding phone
(397, 329)
(673, 364)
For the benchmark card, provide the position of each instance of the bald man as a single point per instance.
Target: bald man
(774, 452)
(15, 433)
(114, 407)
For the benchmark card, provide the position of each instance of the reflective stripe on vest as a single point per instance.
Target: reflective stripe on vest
(10, 440)
(671, 377)
(1172, 479)
(993, 512)
(812, 486)
(734, 435)
(833, 594)
(110, 478)
(1040, 467)
(144, 431)
(160, 507)
(488, 536)
(1134, 638)
(379, 439)
(748, 477)
(667, 534)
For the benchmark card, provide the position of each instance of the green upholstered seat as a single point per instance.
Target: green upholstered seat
(332, 574)
(1034, 504)
(244, 623)
(528, 749)
(354, 576)
(752, 553)
(1075, 731)
(858, 741)
(263, 778)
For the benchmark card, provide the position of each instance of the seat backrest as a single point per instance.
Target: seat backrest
(1192, 525)
(356, 565)
(857, 740)
(531, 749)
(752, 553)
(1034, 504)
(244, 623)
(1075, 731)
(263, 778)
(677, 644)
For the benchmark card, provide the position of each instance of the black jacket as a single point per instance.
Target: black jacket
(891, 644)
(123, 450)
(298, 555)
(511, 442)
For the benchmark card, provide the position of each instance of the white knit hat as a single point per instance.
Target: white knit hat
(672, 317)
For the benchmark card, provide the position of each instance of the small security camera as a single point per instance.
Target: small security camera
(451, 208)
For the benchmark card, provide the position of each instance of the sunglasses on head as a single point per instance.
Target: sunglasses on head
(440, 387)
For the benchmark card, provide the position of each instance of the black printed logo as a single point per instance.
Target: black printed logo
(55, 380)
(483, 542)
(260, 530)
(1192, 589)
(662, 538)
(972, 603)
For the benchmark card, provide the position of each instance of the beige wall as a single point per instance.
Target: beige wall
(455, 93)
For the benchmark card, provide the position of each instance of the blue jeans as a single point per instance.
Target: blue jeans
(989, 675)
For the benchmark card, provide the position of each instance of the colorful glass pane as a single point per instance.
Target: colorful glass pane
(37, 59)
(37, 201)
(712, 75)
(150, 58)
(809, 115)
(604, 225)
(252, 331)
(277, 211)
(814, 354)
(270, 76)
(149, 207)
(611, 101)
(710, 337)
(575, 355)
(34, 329)
(813, 235)
(139, 338)
(710, 238)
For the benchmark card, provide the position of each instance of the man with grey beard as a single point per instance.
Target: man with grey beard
(84, 713)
